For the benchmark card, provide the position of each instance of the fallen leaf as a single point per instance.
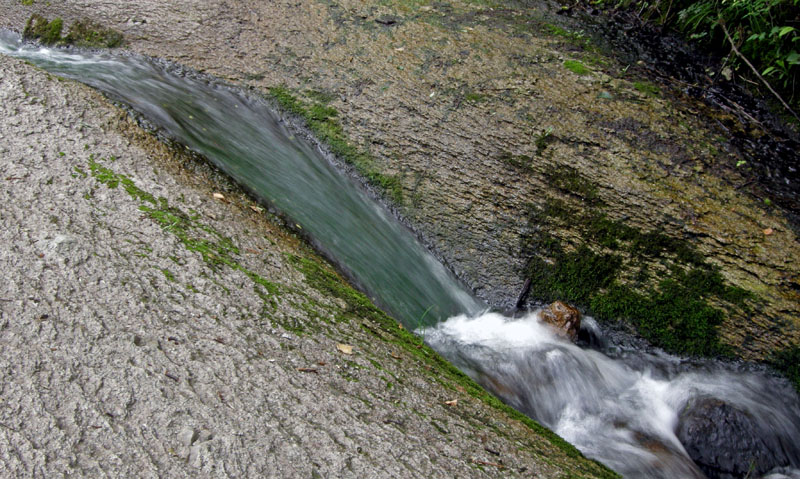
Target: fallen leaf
(487, 463)
(308, 370)
(345, 348)
(219, 196)
(454, 402)
(768, 231)
(257, 209)
(396, 356)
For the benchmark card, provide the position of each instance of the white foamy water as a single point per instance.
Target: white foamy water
(623, 412)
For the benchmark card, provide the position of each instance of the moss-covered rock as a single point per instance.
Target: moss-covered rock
(82, 33)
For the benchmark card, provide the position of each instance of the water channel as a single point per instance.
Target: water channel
(620, 406)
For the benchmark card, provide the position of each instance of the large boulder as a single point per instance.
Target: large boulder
(565, 319)
(727, 442)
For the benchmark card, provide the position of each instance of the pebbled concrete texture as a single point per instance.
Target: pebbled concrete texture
(127, 351)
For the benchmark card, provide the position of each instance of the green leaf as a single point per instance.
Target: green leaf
(768, 70)
(784, 31)
(793, 58)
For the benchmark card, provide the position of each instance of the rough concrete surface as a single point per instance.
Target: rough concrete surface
(128, 349)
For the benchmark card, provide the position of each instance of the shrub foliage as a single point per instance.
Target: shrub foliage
(766, 32)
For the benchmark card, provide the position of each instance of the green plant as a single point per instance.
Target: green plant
(421, 322)
(763, 31)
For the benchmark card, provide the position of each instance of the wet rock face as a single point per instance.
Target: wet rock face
(470, 112)
(565, 319)
(728, 443)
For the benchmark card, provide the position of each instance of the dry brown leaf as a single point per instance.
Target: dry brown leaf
(219, 196)
(768, 231)
(344, 348)
(454, 402)
(257, 209)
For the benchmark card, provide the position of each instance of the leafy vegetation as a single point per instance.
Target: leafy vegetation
(765, 32)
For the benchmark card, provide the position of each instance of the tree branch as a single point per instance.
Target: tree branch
(744, 59)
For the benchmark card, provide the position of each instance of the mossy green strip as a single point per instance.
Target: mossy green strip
(215, 249)
(321, 120)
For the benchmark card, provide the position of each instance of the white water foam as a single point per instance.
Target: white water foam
(621, 412)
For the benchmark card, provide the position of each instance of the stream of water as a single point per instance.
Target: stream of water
(626, 408)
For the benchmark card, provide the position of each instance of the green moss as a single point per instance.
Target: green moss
(168, 274)
(672, 316)
(82, 33)
(39, 28)
(321, 120)
(86, 33)
(518, 161)
(647, 88)
(787, 362)
(474, 97)
(570, 181)
(215, 249)
(660, 284)
(576, 67)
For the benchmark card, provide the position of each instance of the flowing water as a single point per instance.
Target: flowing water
(245, 138)
(622, 407)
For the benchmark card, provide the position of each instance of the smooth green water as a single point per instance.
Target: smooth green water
(247, 139)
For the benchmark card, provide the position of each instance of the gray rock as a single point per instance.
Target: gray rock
(728, 443)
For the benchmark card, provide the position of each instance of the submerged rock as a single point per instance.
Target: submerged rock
(727, 442)
(564, 318)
